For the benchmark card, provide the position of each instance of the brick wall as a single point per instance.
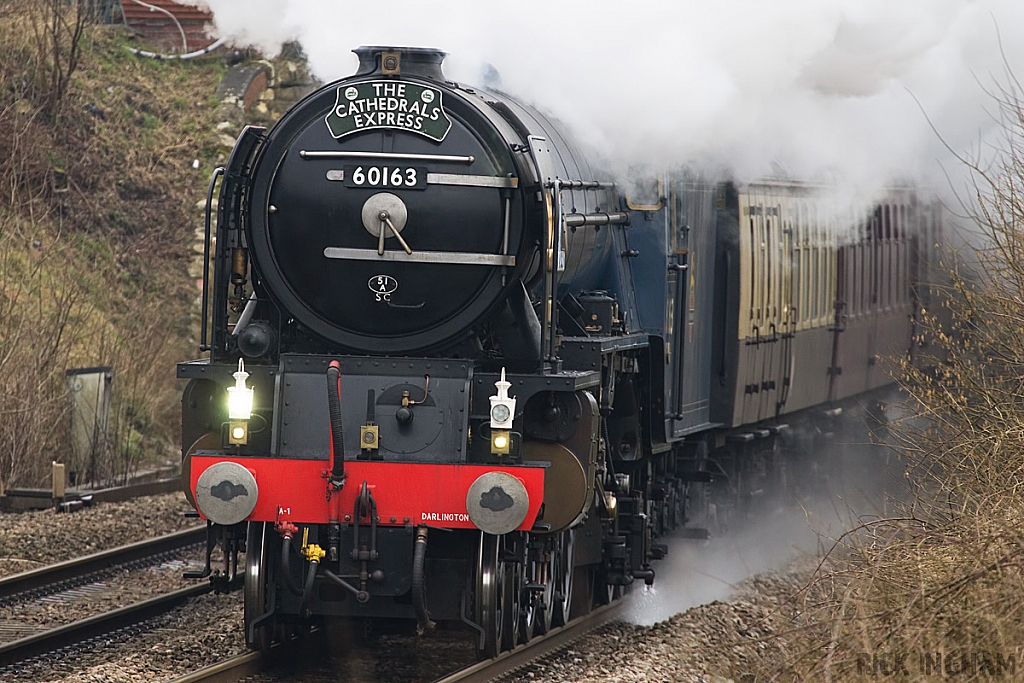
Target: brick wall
(159, 30)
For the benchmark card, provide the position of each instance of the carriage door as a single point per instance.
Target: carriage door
(691, 270)
(773, 297)
(789, 267)
(676, 295)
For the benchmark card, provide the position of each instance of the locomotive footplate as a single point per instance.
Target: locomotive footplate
(588, 352)
(406, 493)
(526, 386)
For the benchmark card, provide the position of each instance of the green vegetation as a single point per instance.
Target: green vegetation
(96, 231)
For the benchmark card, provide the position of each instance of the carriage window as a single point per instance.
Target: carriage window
(805, 267)
(794, 266)
(805, 256)
(769, 253)
(753, 265)
(645, 194)
(898, 255)
(812, 225)
(876, 231)
(829, 301)
(852, 302)
(679, 226)
(759, 252)
(817, 282)
(904, 292)
(865, 260)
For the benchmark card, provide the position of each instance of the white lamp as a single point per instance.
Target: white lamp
(503, 406)
(240, 397)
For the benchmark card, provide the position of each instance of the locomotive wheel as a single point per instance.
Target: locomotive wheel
(493, 595)
(530, 614)
(562, 562)
(525, 609)
(608, 593)
(257, 581)
(543, 571)
(516, 603)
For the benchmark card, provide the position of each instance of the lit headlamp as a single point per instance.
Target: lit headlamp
(500, 441)
(239, 407)
(239, 396)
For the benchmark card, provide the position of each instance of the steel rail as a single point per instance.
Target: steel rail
(78, 569)
(229, 671)
(40, 499)
(100, 624)
(524, 654)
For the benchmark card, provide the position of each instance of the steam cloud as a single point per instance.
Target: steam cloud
(834, 89)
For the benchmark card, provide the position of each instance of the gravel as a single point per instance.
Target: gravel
(725, 640)
(106, 593)
(196, 635)
(720, 642)
(33, 539)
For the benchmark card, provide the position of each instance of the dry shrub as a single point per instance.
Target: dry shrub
(38, 301)
(937, 591)
(96, 231)
(38, 307)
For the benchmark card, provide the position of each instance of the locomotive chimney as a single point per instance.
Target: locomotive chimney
(424, 62)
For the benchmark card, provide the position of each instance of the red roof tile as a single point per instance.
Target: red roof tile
(160, 30)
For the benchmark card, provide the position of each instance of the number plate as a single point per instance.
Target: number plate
(395, 177)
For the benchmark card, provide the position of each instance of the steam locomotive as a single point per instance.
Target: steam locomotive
(457, 373)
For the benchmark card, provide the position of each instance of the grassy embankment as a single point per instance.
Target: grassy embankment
(97, 189)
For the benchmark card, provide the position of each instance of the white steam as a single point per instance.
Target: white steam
(860, 484)
(698, 572)
(811, 88)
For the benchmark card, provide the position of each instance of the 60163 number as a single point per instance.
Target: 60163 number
(404, 177)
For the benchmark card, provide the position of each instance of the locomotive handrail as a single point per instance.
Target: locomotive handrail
(541, 156)
(500, 182)
(575, 220)
(305, 154)
(204, 318)
(466, 258)
(558, 264)
(582, 185)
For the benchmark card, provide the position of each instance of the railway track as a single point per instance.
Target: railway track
(81, 570)
(82, 631)
(122, 623)
(77, 576)
(228, 671)
(508, 662)
(20, 499)
(234, 669)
